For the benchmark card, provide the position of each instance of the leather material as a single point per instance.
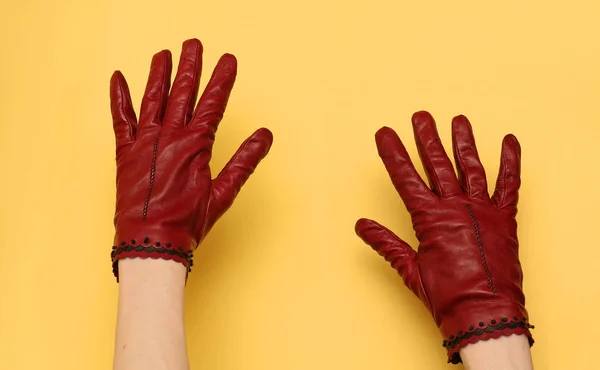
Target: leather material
(466, 270)
(167, 200)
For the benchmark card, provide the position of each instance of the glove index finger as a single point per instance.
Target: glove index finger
(508, 183)
(403, 174)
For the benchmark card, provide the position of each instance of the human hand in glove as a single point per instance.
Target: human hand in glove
(466, 269)
(167, 200)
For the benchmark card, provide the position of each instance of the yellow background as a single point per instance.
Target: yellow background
(282, 282)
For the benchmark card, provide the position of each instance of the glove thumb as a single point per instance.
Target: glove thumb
(395, 250)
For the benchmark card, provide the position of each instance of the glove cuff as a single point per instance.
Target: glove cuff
(484, 331)
(465, 329)
(177, 248)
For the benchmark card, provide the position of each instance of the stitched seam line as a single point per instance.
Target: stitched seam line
(480, 247)
(152, 177)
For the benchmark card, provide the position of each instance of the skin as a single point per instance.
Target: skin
(504, 353)
(150, 331)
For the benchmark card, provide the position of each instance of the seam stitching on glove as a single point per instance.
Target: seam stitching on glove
(152, 177)
(480, 247)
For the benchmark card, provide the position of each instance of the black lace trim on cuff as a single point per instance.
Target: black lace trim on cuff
(504, 323)
(155, 247)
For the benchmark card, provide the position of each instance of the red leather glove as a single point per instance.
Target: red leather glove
(166, 199)
(466, 270)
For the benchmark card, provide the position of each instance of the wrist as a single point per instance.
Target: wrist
(150, 322)
(151, 296)
(504, 353)
(152, 275)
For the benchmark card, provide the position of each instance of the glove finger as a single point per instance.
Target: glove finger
(471, 174)
(185, 87)
(395, 250)
(212, 103)
(156, 95)
(438, 167)
(509, 175)
(236, 172)
(402, 172)
(123, 115)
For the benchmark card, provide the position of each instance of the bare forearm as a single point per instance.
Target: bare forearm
(504, 353)
(150, 331)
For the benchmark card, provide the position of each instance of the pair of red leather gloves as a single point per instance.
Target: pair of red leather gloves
(466, 269)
